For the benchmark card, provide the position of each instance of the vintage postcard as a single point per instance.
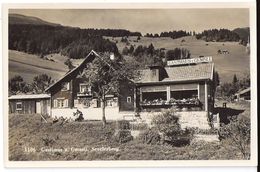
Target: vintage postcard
(130, 85)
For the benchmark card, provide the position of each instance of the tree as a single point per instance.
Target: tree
(41, 82)
(104, 76)
(216, 79)
(177, 53)
(125, 51)
(156, 35)
(235, 80)
(150, 49)
(235, 84)
(131, 49)
(69, 64)
(17, 84)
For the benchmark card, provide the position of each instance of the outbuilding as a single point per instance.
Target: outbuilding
(30, 104)
(243, 95)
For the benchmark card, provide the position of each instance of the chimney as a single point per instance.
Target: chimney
(157, 73)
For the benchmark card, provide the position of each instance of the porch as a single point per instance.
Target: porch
(181, 97)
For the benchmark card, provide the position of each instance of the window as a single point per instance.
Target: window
(66, 103)
(84, 88)
(65, 86)
(61, 103)
(184, 94)
(112, 102)
(19, 106)
(151, 96)
(154, 72)
(55, 103)
(128, 100)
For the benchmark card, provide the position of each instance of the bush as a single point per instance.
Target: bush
(150, 136)
(203, 131)
(168, 124)
(237, 132)
(123, 136)
(123, 125)
(139, 126)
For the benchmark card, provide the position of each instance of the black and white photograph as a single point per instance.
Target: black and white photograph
(130, 84)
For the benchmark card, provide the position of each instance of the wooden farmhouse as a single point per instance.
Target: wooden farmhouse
(185, 85)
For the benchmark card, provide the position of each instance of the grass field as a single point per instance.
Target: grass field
(236, 62)
(28, 66)
(33, 139)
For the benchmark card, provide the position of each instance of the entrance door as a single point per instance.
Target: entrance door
(38, 107)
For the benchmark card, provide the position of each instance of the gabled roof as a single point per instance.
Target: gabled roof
(243, 91)
(92, 52)
(29, 96)
(200, 71)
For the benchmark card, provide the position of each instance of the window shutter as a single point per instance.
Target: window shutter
(55, 103)
(68, 86)
(66, 103)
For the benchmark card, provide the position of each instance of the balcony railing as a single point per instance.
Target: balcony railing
(81, 94)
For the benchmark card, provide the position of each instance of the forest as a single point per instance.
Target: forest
(172, 34)
(73, 42)
(218, 35)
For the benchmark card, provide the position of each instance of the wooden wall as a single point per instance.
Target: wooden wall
(126, 90)
(202, 94)
(57, 92)
(29, 106)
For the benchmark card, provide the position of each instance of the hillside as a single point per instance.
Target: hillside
(21, 19)
(243, 33)
(35, 36)
(28, 66)
(75, 43)
(236, 62)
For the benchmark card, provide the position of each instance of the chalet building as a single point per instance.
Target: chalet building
(186, 85)
(72, 92)
(244, 95)
(30, 104)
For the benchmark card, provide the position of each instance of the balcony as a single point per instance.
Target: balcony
(84, 94)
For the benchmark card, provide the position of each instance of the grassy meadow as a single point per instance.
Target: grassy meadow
(30, 138)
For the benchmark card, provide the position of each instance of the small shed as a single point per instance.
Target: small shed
(30, 104)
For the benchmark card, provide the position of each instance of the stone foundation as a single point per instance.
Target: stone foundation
(196, 119)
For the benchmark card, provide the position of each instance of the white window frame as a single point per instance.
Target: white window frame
(55, 103)
(18, 103)
(66, 103)
(129, 99)
(61, 103)
(83, 84)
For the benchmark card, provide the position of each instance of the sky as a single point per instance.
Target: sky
(144, 20)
